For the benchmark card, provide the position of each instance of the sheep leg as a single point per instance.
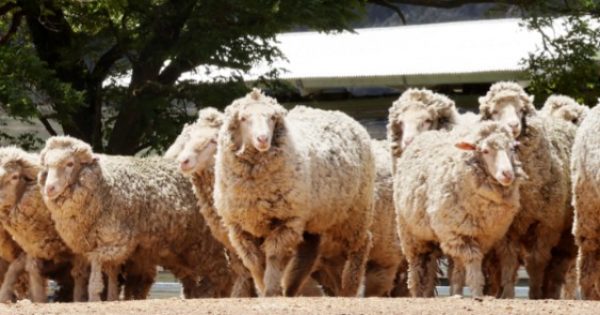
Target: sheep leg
(280, 246)
(243, 285)
(354, 269)
(12, 274)
(422, 268)
(96, 283)
(589, 273)
(379, 280)
(563, 256)
(400, 286)
(474, 276)
(508, 257)
(569, 289)
(112, 272)
(301, 265)
(538, 259)
(37, 283)
(247, 248)
(457, 278)
(80, 274)
(466, 254)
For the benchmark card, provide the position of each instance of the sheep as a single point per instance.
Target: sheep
(108, 207)
(13, 276)
(416, 111)
(386, 266)
(458, 192)
(194, 150)
(545, 214)
(24, 215)
(586, 198)
(566, 108)
(292, 179)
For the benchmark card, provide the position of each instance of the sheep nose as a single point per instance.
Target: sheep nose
(262, 139)
(408, 141)
(50, 189)
(185, 163)
(508, 175)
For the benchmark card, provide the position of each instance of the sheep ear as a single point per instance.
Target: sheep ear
(465, 145)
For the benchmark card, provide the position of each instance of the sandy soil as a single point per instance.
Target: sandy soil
(284, 306)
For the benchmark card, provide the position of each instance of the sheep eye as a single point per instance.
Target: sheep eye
(485, 151)
(15, 177)
(273, 117)
(70, 164)
(428, 121)
(242, 119)
(213, 140)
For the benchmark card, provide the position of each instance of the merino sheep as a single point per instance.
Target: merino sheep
(107, 207)
(565, 108)
(24, 215)
(292, 179)
(545, 216)
(194, 150)
(459, 192)
(586, 198)
(416, 111)
(386, 266)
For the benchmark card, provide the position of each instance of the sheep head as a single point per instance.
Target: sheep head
(494, 148)
(507, 103)
(62, 159)
(565, 108)
(417, 111)
(17, 170)
(256, 122)
(198, 152)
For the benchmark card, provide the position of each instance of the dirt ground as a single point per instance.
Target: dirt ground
(291, 306)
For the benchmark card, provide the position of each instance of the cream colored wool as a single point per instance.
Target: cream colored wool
(585, 166)
(194, 140)
(566, 108)
(386, 263)
(115, 205)
(445, 198)
(317, 178)
(545, 211)
(424, 110)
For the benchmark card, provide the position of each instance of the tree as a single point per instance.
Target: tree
(56, 57)
(57, 54)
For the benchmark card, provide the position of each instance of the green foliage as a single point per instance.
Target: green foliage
(66, 49)
(568, 63)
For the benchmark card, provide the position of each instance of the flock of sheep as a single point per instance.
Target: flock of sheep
(262, 201)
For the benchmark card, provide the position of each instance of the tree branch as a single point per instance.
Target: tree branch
(7, 7)
(106, 61)
(386, 4)
(14, 26)
(47, 125)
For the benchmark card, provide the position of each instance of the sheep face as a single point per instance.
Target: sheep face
(508, 111)
(414, 120)
(60, 170)
(12, 184)
(18, 169)
(62, 165)
(198, 153)
(257, 125)
(497, 155)
(569, 114)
